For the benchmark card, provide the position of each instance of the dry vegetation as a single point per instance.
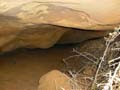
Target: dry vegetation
(102, 73)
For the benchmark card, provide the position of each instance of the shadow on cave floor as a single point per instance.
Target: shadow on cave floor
(21, 69)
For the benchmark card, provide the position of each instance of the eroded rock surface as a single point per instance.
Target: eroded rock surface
(85, 14)
(42, 24)
(41, 36)
(54, 80)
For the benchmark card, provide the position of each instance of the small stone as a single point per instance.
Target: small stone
(55, 80)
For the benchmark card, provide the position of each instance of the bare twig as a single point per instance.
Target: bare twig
(109, 40)
(109, 86)
(113, 60)
(99, 66)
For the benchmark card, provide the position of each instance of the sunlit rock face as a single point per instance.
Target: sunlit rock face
(42, 24)
(54, 80)
(85, 14)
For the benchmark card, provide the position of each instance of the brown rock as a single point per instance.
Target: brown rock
(55, 80)
(82, 14)
(42, 36)
(43, 23)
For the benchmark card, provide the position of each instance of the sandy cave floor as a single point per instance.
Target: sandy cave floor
(22, 69)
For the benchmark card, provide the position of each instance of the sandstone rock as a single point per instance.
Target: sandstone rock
(41, 24)
(55, 80)
(82, 14)
(42, 36)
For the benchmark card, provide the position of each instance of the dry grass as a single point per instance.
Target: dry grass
(105, 69)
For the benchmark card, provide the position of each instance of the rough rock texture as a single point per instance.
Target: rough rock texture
(41, 24)
(42, 36)
(85, 14)
(54, 80)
